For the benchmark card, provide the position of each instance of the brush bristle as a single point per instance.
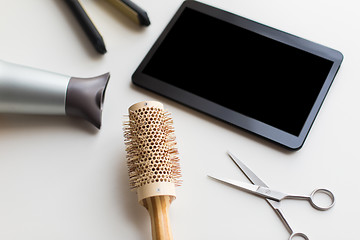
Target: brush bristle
(152, 155)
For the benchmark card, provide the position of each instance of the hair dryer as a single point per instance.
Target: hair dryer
(27, 90)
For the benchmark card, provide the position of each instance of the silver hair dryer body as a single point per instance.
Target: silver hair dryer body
(27, 90)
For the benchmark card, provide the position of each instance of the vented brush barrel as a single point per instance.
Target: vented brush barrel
(154, 169)
(148, 119)
(27, 90)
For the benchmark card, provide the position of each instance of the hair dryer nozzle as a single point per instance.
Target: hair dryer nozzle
(85, 97)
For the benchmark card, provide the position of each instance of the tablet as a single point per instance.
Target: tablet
(258, 78)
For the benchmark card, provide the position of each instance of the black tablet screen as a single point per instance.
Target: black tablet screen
(251, 74)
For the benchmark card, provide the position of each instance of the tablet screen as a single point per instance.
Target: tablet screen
(241, 70)
(241, 67)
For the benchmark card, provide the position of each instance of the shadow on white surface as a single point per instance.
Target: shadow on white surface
(129, 208)
(20, 122)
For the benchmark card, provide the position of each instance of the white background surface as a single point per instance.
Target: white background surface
(62, 179)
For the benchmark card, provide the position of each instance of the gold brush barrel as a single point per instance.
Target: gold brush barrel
(153, 164)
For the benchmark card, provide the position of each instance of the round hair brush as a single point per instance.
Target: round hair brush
(153, 164)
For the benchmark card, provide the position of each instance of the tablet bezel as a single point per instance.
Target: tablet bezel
(213, 109)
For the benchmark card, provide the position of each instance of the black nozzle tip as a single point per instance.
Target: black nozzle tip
(85, 98)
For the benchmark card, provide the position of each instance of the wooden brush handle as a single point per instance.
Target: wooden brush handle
(158, 208)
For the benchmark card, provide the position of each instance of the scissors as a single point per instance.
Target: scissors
(259, 188)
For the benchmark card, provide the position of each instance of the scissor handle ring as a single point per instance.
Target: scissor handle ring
(327, 192)
(298, 234)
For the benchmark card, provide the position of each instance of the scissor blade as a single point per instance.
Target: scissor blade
(255, 180)
(275, 205)
(248, 173)
(254, 189)
(242, 185)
